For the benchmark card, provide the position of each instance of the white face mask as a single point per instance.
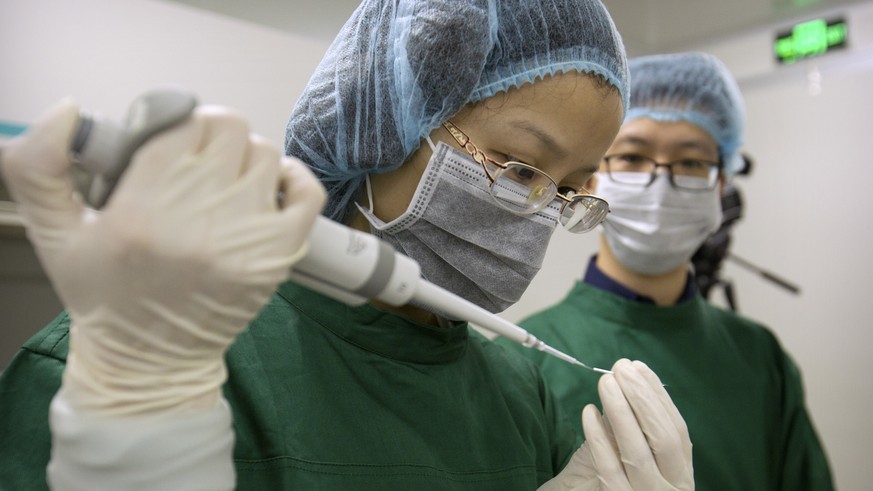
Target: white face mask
(655, 229)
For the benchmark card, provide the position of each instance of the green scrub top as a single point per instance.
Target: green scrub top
(739, 392)
(326, 396)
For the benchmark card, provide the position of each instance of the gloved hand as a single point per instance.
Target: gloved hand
(181, 259)
(641, 442)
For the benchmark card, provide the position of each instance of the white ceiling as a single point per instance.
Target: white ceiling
(647, 26)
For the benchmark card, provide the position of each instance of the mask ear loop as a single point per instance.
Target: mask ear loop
(369, 191)
(370, 187)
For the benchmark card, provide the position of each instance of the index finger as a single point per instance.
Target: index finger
(636, 454)
(299, 187)
(665, 432)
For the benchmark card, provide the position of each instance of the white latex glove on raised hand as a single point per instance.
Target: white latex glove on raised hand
(641, 443)
(184, 255)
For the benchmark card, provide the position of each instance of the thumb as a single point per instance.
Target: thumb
(36, 168)
(303, 194)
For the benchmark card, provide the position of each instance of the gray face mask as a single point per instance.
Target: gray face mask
(463, 240)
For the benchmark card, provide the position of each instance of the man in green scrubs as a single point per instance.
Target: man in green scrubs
(739, 392)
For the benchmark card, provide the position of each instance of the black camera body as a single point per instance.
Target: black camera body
(709, 257)
(707, 260)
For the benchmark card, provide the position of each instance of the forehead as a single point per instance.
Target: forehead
(667, 135)
(580, 115)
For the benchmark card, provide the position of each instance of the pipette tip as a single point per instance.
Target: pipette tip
(593, 369)
(564, 356)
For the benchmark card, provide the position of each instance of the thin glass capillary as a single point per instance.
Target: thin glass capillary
(454, 307)
(545, 348)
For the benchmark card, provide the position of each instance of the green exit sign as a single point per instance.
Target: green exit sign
(811, 38)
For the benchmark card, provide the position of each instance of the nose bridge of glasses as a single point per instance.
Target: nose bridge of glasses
(659, 167)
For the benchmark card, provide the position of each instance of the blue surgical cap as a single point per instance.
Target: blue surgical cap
(399, 69)
(693, 87)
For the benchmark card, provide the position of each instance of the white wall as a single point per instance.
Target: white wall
(807, 217)
(104, 53)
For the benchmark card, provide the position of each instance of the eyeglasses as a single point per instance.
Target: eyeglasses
(637, 170)
(525, 190)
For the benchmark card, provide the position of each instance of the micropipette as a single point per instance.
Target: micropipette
(343, 263)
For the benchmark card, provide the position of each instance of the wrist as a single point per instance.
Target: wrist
(110, 378)
(184, 450)
(122, 392)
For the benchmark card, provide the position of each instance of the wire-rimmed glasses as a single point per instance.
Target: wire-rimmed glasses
(638, 170)
(524, 189)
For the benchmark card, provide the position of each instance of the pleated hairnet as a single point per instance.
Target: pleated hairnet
(399, 68)
(694, 87)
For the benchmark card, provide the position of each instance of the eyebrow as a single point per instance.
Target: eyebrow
(682, 145)
(541, 135)
(634, 140)
(695, 145)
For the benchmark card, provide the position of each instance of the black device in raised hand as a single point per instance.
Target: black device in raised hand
(103, 149)
(708, 259)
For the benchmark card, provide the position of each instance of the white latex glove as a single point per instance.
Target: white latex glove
(641, 442)
(184, 255)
